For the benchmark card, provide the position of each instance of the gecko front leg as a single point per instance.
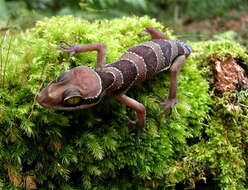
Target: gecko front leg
(139, 108)
(99, 47)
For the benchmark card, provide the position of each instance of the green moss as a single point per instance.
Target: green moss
(94, 149)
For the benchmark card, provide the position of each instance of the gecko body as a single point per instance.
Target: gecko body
(82, 87)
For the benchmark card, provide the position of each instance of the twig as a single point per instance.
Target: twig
(1, 57)
(7, 59)
(36, 95)
(4, 28)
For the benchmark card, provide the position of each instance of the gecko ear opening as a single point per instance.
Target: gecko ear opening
(72, 97)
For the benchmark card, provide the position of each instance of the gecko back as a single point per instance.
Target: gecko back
(143, 61)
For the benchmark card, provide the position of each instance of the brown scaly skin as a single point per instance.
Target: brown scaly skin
(81, 87)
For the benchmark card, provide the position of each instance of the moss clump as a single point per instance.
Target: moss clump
(94, 149)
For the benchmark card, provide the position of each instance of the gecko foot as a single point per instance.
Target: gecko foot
(145, 32)
(69, 48)
(168, 104)
(137, 127)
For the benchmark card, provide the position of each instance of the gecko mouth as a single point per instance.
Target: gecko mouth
(84, 106)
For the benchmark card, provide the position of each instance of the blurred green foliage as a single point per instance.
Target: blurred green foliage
(204, 139)
(166, 11)
(22, 14)
(195, 9)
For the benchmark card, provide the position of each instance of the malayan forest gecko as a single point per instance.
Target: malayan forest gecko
(82, 87)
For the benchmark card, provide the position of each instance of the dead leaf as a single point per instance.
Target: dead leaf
(30, 183)
(228, 75)
(15, 177)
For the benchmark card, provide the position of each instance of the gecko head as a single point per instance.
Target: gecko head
(78, 88)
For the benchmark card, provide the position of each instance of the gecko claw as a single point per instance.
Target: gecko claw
(69, 48)
(168, 104)
(66, 43)
(136, 126)
(142, 34)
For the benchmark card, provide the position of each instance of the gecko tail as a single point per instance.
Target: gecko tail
(187, 48)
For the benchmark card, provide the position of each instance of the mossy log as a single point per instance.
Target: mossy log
(202, 143)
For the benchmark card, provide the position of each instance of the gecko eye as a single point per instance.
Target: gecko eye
(64, 77)
(72, 97)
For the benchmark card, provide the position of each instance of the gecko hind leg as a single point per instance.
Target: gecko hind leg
(155, 33)
(139, 123)
(175, 68)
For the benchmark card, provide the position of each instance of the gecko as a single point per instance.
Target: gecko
(83, 87)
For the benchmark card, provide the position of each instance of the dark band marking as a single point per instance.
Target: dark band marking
(139, 63)
(167, 52)
(129, 73)
(159, 54)
(174, 50)
(118, 78)
(107, 79)
(180, 49)
(149, 57)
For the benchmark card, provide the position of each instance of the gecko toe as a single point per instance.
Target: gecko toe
(69, 48)
(168, 104)
(136, 126)
(66, 43)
